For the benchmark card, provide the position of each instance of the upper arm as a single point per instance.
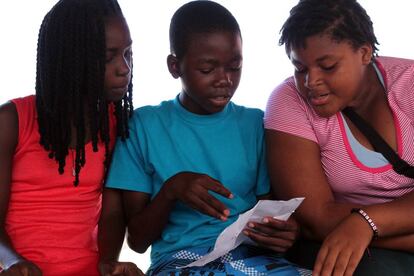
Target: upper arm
(8, 142)
(134, 202)
(295, 170)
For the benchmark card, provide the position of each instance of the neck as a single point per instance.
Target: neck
(372, 93)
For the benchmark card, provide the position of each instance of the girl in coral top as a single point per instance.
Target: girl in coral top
(55, 145)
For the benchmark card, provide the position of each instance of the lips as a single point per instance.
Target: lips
(319, 99)
(220, 100)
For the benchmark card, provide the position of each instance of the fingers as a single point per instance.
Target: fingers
(215, 207)
(337, 261)
(287, 226)
(353, 263)
(23, 268)
(217, 187)
(328, 262)
(196, 190)
(105, 269)
(276, 228)
(119, 269)
(273, 234)
(273, 243)
(209, 205)
(317, 268)
(126, 269)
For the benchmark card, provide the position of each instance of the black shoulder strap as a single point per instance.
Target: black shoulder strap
(379, 144)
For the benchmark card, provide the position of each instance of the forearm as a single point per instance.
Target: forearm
(111, 226)
(403, 243)
(394, 218)
(111, 238)
(318, 221)
(146, 226)
(147, 218)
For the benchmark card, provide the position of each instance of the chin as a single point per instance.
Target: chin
(324, 112)
(217, 109)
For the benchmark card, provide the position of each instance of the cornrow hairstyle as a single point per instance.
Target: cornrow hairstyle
(341, 19)
(70, 76)
(198, 17)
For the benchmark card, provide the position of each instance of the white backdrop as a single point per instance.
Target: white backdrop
(265, 63)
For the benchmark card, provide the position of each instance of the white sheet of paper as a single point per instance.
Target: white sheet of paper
(232, 236)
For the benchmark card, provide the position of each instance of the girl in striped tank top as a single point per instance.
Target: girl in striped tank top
(356, 202)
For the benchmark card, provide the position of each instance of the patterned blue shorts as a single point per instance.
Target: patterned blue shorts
(244, 260)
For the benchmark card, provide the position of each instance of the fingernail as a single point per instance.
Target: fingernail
(231, 196)
(245, 232)
(265, 220)
(226, 212)
(251, 225)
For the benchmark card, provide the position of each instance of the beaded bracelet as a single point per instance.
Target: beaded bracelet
(368, 219)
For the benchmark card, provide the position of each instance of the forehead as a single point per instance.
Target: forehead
(319, 46)
(116, 32)
(215, 43)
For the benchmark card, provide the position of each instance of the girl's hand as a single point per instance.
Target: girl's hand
(119, 269)
(22, 268)
(343, 248)
(193, 190)
(274, 234)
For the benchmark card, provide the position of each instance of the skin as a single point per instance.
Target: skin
(331, 75)
(118, 58)
(210, 73)
(117, 77)
(118, 74)
(16, 264)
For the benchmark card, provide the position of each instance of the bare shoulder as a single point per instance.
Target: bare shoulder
(9, 125)
(8, 141)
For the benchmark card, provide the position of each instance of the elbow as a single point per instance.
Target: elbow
(312, 233)
(314, 230)
(138, 246)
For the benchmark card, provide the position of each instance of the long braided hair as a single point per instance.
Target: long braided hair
(70, 98)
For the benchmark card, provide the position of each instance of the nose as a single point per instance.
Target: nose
(312, 79)
(224, 78)
(124, 67)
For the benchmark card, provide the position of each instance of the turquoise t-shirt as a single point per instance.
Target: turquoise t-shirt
(167, 139)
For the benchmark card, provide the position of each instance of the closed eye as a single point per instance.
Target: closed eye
(235, 69)
(109, 57)
(206, 70)
(328, 68)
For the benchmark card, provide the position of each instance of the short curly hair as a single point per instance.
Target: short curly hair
(341, 19)
(198, 17)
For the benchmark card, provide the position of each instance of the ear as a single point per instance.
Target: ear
(173, 66)
(366, 51)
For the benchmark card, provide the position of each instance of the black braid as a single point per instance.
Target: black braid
(70, 81)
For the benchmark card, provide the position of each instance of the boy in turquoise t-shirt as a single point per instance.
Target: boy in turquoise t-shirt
(194, 163)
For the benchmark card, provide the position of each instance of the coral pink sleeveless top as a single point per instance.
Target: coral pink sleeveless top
(49, 221)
